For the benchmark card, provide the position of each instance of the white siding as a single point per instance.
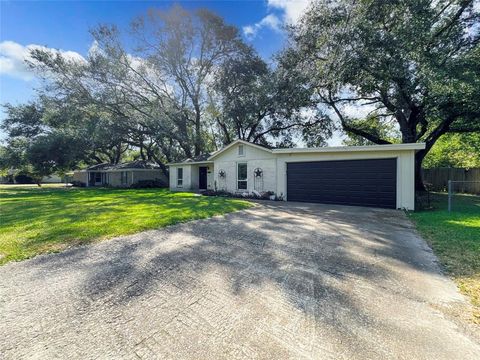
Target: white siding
(254, 158)
(274, 168)
(187, 177)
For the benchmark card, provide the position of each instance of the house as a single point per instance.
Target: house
(376, 175)
(119, 175)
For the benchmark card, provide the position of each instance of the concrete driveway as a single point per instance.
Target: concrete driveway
(280, 280)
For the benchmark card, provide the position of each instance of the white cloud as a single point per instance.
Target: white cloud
(270, 21)
(280, 12)
(13, 57)
(292, 9)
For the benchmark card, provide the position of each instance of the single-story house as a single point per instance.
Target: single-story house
(119, 175)
(376, 175)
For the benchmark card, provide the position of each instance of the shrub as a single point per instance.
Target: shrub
(78, 183)
(264, 195)
(144, 184)
(24, 179)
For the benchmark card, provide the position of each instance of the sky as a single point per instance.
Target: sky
(64, 25)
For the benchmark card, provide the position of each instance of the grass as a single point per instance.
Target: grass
(455, 239)
(37, 220)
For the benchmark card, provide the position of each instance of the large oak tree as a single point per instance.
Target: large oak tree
(414, 61)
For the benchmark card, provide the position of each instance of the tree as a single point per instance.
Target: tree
(414, 61)
(42, 140)
(255, 103)
(373, 125)
(158, 91)
(455, 150)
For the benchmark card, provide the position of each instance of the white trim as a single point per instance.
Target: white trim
(214, 155)
(177, 178)
(333, 149)
(236, 178)
(117, 170)
(190, 163)
(391, 147)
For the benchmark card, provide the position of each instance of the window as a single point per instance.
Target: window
(240, 150)
(123, 177)
(179, 177)
(98, 177)
(242, 176)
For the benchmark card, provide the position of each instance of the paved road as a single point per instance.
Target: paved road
(276, 281)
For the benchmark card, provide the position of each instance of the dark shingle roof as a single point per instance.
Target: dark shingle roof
(101, 166)
(137, 164)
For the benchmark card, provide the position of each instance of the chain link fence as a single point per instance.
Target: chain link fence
(460, 187)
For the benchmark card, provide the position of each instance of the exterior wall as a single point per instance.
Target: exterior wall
(255, 158)
(211, 176)
(190, 177)
(405, 170)
(187, 178)
(80, 176)
(274, 167)
(114, 178)
(194, 177)
(139, 175)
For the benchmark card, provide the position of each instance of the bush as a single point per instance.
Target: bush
(78, 183)
(264, 195)
(216, 193)
(24, 179)
(144, 184)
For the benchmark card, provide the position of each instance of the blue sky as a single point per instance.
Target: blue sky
(65, 24)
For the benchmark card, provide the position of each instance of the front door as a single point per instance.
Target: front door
(202, 177)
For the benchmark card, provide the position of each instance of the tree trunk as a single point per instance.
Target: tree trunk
(419, 156)
(198, 135)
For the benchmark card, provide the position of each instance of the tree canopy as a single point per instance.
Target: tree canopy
(178, 83)
(414, 61)
(455, 150)
(186, 84)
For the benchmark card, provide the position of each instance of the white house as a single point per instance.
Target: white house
(376, 175)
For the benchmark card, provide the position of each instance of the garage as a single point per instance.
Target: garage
(368, 182)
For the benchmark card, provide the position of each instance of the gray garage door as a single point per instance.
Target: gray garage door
(346, 182)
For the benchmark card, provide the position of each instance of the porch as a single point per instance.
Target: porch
(192, 177)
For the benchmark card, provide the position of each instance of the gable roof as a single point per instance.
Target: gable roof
(198, 158)
(258, 146)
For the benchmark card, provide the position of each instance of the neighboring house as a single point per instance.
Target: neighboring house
(376, 175)
(52, 179)
(119, 175)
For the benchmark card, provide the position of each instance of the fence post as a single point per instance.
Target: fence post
(449, 195)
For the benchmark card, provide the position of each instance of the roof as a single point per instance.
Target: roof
(137, 164)
(261, 147)
(198, 158)
(101, 166)
(327, 149)
(330, 149)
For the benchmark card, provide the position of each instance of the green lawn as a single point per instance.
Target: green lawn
(455, 239)
(37, 220)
